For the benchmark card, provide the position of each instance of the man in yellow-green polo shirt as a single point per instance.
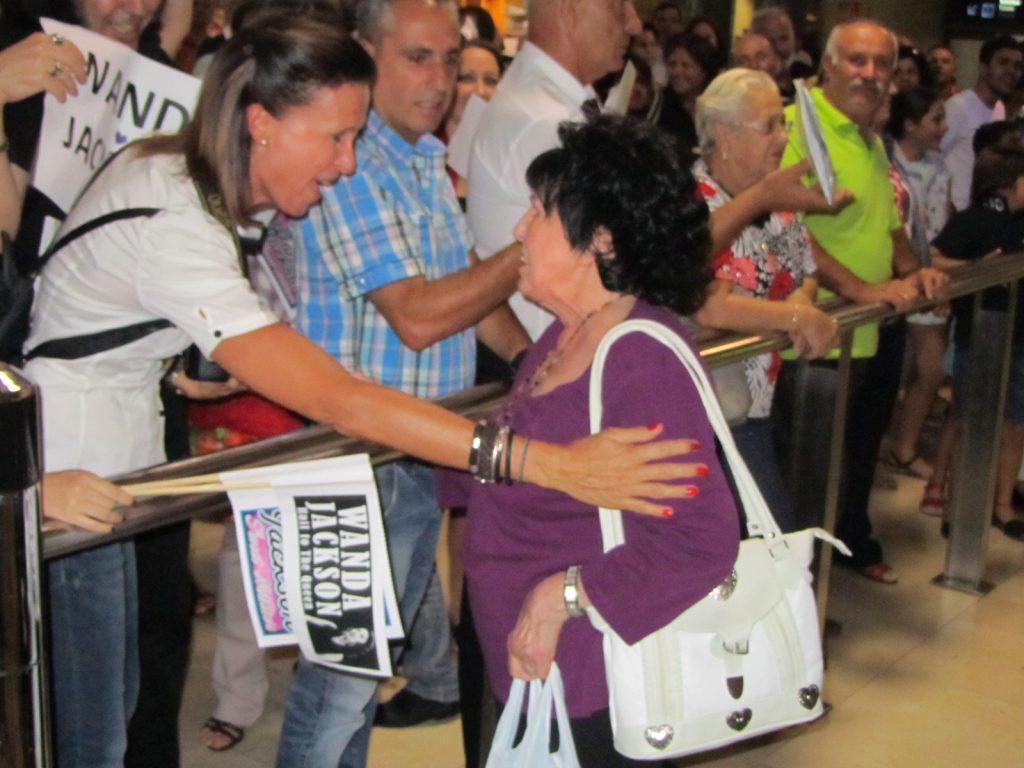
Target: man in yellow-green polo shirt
(863, 254)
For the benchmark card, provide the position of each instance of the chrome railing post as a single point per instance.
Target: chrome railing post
(24, 727)
(981, 417)
(834, 476)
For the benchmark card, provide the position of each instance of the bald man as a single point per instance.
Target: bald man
(571, 43)
(754, 51)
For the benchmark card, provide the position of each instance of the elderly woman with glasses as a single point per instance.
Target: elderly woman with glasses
(763, 281)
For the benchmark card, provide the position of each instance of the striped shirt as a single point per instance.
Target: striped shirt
(397, 217)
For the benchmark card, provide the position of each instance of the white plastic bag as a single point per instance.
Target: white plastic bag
(533, 751)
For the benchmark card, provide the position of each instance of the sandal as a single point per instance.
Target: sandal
(879, 572)
(932, 502)
(922, 470)
(234, 733)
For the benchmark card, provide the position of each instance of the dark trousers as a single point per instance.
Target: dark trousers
(165, 623)
(873, 396)
(874, 386)
(165, 633)
(473, 690)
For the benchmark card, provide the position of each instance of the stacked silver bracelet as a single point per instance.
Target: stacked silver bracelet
(490, 443)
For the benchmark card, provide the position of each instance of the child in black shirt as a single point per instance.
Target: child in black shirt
(993, 222)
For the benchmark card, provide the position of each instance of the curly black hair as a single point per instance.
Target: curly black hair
(632, 179)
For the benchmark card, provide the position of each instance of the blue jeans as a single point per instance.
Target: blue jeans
(429, 665)
(93, 654)
(326, 709)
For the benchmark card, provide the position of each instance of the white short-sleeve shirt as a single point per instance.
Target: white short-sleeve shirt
(103, 412)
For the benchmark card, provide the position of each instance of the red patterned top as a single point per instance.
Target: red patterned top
(769, 260)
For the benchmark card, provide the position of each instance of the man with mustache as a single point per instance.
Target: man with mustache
(389, 285)
(999, 69)
(863, 254)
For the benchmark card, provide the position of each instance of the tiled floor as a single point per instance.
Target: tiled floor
(918, 675)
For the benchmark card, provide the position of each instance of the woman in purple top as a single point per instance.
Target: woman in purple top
(614, 231)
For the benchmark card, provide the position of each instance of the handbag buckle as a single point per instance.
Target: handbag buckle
(737, 647)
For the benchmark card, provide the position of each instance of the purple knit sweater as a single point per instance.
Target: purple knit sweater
(519, 534)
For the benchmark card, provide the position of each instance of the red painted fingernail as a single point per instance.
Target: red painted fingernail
(654, 425)
(695, 445)
(702, 470)
(691, 490)
(667, 512)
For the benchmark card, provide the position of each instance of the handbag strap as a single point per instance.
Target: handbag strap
(759, 519)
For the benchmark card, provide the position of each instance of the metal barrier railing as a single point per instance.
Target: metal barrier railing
(24, 724)
(965, 561)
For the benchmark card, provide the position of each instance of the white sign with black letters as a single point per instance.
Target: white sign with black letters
(126, 96)
(315, 562)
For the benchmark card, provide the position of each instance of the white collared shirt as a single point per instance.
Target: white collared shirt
(535, 95)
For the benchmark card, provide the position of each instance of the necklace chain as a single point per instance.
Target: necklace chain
(527, 387)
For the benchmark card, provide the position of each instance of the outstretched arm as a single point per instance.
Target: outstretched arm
(613, 469)
(422, 311)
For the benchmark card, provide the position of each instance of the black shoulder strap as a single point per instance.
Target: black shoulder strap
(89, 226)
(74, 347)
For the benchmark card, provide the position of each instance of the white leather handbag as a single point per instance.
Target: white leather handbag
(743, 661)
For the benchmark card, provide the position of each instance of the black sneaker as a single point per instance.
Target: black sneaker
(405, 709)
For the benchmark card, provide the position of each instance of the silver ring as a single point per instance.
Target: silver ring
(57, 69)
(57, 39)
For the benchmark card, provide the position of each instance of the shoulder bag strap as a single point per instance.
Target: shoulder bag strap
(753, 507)
(74, 347)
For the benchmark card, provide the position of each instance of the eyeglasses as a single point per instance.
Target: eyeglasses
(769, 127)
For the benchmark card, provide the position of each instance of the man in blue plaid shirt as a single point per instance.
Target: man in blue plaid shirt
(390, 286)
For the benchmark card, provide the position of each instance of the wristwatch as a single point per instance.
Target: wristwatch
(571, 591)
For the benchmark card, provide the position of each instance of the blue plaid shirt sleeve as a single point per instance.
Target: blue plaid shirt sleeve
(365, 239)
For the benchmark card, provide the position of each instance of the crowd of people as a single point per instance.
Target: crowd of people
(307, 233)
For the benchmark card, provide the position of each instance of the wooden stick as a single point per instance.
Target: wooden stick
(213, 477)
(157, 488)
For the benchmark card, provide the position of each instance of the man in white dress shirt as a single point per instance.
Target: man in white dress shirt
(999, 68)
(569, 46)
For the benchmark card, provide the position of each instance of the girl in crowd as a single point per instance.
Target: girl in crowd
(911, 70)
(992, 221)
(692, 62)
(268, 131)
(916, 125)
(479, 72)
